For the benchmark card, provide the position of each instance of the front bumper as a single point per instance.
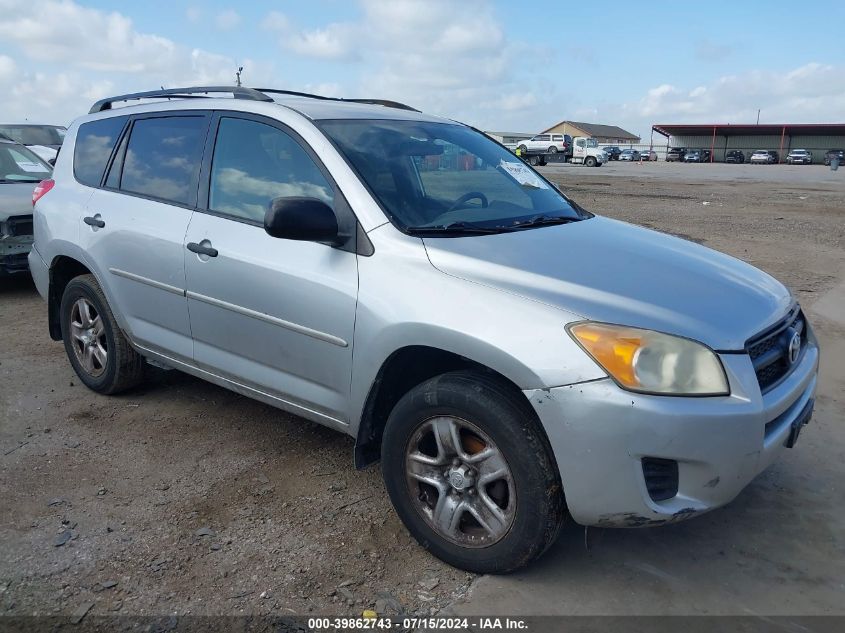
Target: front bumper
(600, 434)
(14, 248)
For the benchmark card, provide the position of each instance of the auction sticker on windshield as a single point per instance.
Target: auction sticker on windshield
(523, 175)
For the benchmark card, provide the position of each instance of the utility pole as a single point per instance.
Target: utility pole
(758, 114)
(238, 75)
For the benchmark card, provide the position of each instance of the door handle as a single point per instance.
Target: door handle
(95, 221)
(201, 249)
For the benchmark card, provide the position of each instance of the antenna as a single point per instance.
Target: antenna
(238, 75)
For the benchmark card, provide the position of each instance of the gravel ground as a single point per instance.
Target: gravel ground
(184, 498)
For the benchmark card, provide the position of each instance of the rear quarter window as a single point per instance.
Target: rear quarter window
(94, 144)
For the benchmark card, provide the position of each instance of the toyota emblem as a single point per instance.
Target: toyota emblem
(794, 348)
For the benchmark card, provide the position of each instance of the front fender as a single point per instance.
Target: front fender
(404, 301)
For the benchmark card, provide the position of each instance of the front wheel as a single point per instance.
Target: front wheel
(470, 473)
(95, 345)
(522, 148)
(591, 161)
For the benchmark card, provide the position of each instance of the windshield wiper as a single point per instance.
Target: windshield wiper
(457, 228)
(542, 220)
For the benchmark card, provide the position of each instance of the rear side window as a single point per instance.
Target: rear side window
(255, 163)
(163, 157)
(94, 144)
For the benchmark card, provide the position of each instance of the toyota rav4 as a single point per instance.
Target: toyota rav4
(510, 358)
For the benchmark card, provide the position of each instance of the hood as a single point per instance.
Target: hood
(16, 199)
(610, 271)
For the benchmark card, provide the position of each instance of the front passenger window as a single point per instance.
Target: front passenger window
(253, 164)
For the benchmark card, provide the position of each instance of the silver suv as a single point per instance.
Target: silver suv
(510, 358)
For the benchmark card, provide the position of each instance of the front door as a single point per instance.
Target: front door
(274, 315)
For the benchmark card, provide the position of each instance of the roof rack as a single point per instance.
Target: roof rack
(382, 102)
(197, 92)
(238, 92)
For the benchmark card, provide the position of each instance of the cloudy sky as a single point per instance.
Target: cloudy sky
(512, 66)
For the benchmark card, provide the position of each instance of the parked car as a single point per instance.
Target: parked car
(612, 152)
(834, 153)
(44, 140)
(551, 143)
(734, 156)
(624, 403)
(648, 155)
(20, 171)
(697, 156)
(629, 154)
(799, 157)
(676, 154)
(764, 156)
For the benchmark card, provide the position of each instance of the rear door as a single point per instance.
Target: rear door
(135, 226)
(272, 314)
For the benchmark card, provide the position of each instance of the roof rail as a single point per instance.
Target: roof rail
(382, 102)
(238, 92)
(197, 92)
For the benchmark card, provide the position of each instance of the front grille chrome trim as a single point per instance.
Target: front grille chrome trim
(769, 349)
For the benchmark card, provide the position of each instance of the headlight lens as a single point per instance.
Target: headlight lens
(651, 362)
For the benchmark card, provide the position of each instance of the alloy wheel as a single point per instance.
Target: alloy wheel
(88, 336)
(460, 482)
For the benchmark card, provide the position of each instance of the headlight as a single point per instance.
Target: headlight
(651, 362)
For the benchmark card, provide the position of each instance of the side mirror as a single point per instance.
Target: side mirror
(304, 219)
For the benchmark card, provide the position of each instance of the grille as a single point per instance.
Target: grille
(14, 263)
(769, 351)
(661, 477)
(19, 225)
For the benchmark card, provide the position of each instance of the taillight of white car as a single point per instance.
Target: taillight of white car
(42, 188)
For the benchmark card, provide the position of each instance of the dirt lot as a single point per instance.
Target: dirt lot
(184, 498)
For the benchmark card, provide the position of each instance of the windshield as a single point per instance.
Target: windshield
(591, 142)
(18, 164)
(441, 175)
(33, 134)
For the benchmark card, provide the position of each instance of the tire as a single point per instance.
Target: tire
(590, 161)
(522, 148)
(96, 347)
(533, 161)
(486, 419)
(552, 150)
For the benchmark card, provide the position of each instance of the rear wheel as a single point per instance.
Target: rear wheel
(95, 345)
(553, 150)
(470, 473)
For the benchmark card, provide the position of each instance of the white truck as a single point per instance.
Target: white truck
(586, 151)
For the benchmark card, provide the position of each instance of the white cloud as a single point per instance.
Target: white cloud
(444, 57)
(51, 98)
(810, 93)
(100, 53)
(7, 67)
(227, 20)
